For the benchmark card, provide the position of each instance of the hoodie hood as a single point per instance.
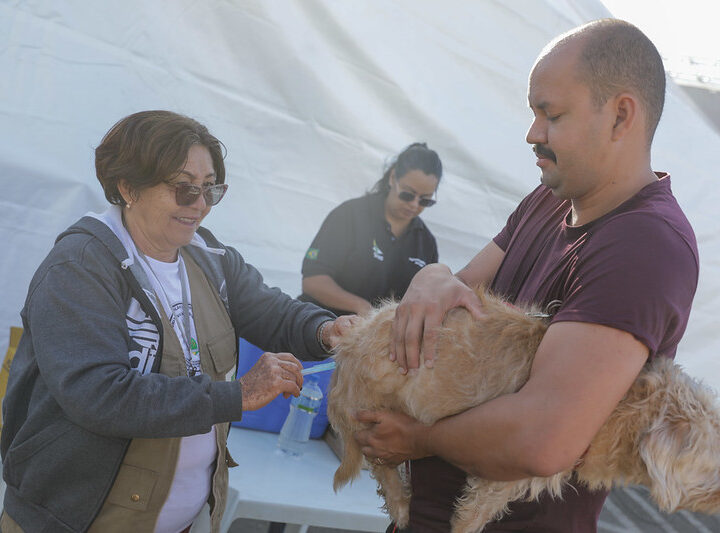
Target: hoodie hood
(108, 228)
(112, 218)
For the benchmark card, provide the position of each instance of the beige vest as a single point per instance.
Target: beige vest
(145, 476)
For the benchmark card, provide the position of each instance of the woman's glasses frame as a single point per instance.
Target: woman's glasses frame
(187, 193)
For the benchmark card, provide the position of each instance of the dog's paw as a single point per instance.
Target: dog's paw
(403, 516)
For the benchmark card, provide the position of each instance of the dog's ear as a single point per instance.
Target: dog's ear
(682, 457)
(662, 448)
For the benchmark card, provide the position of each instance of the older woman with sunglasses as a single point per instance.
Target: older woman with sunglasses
(369, 248)
(120, 393)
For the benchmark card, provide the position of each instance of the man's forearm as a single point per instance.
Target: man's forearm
(497, 440)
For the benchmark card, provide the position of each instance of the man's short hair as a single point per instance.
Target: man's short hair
(616, 57)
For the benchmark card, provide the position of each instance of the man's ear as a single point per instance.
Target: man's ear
(627, 114)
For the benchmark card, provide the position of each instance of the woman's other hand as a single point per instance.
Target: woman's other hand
(273, 374)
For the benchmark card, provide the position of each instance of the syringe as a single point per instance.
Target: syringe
(330, 365)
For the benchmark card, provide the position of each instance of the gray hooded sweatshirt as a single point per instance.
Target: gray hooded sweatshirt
(85, 381)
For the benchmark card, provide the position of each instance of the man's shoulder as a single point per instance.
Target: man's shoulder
(657, 201)
(654, 215)
(647, 242)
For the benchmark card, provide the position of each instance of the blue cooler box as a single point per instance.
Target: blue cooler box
(271, 417)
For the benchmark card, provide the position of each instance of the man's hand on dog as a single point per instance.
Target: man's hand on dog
(390, 438)
(432, 293)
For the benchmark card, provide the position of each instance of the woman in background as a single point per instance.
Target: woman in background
(369, 248)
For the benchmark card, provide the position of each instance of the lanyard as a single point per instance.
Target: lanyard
(187, 332)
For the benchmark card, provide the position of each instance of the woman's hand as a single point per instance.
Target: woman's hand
(274, 373)
(432, 293)
(333, 331)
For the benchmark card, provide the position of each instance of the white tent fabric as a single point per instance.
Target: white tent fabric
(310, 98)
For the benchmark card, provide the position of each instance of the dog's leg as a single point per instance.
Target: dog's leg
(483, 501)
(351, 461)
(396, 495)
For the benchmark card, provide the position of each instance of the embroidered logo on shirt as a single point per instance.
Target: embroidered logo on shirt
(192, 355)
(377, 252)
(312, 254)
(416, 260)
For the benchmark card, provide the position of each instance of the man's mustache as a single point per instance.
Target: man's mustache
(542, 151)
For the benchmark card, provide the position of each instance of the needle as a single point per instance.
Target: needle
(318, 368)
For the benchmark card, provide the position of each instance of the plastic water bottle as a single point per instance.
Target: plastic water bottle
(296, 429)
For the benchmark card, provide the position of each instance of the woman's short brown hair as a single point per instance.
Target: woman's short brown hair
(149, 147)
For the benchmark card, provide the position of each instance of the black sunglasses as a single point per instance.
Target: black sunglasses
(406, 196)
(187, 193)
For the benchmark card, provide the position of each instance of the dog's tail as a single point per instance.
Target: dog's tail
(351, 462)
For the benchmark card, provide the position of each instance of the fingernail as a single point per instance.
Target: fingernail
(413, 371)
(402, 370)
(392, 356)
(429, 363)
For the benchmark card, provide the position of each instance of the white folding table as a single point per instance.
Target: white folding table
(269, 485)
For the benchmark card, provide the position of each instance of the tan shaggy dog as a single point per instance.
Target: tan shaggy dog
(665, 433)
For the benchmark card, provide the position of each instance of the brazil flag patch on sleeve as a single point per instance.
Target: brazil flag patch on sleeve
(311, 254)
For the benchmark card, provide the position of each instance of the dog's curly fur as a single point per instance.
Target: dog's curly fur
(665, 433)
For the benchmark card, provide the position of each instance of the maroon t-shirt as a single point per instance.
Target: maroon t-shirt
(634, 269)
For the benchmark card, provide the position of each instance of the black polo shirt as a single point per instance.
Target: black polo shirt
(356, 248)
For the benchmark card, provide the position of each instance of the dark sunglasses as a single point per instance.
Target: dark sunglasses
(187, 193)
(406, 196)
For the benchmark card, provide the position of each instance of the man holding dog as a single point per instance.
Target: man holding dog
(602, 239)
